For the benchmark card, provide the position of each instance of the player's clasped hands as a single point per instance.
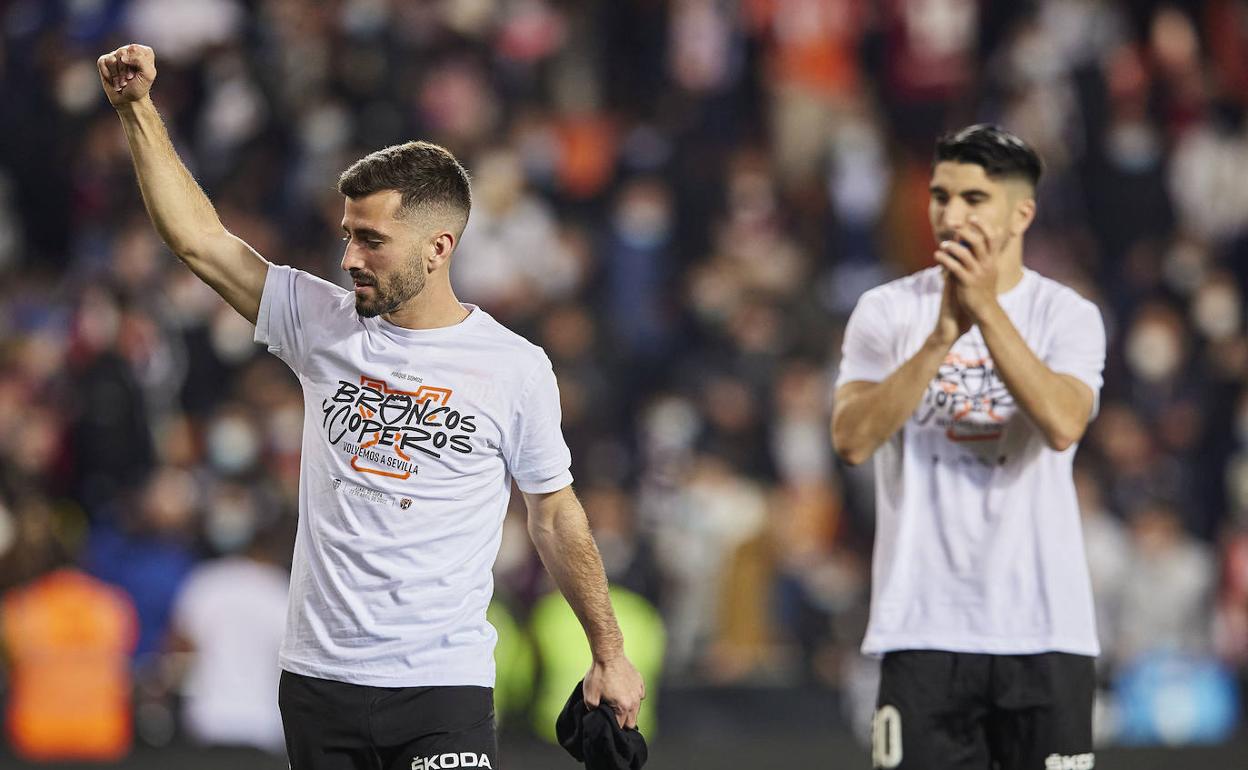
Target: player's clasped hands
(127, 73)
(953, 320)
(971, 263)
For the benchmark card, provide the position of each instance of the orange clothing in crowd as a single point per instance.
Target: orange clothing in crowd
(814, 42)
(69, 639)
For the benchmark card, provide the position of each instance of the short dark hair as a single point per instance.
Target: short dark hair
(423, 173)
(999, 152)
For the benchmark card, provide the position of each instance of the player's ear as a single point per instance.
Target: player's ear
(1023, 215)
(440, 249)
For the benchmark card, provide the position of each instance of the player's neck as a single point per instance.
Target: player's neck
(433, 308)
(1009, 270)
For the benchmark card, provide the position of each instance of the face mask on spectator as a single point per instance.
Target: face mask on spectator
(233, 445)
(1216, 310)
(230, 525)
(1152, 351)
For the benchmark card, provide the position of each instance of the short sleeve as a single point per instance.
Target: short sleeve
(1077, 345)
(536, 454)
(867, 350)
(293, 312)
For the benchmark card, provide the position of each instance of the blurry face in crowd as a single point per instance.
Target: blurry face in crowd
(958, 190)
(385, 254)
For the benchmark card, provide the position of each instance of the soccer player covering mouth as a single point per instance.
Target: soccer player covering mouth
(419, 411)
(970, 383)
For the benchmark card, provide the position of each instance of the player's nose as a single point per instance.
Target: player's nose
(953, 217)
(351, 258)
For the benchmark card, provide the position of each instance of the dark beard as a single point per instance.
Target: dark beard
(388, 296)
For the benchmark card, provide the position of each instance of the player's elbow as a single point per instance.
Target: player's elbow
(541, 524)
(1059, 443)
(853, 455)
(548, 513)
(195, 246)
(1062, 438)
(1064, 425)
(854, 424)
(850, 448)
(183, 248)
(540, 527)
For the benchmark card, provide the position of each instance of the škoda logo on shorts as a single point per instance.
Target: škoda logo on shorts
(446, 761)
(1070, 762)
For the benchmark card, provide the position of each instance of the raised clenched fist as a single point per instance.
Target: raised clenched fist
(127, 73)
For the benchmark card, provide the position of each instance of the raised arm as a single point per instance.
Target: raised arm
(182, 214)
(560, 530)
(866, 414)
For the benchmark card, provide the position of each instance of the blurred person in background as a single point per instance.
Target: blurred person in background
(1167, 588)
(972, 382)
(68, 638)
(146, 549)
(228, 621)
(1231, 627)
(712, 511)
(1108, 546)
(509, 220)
(388, 653)
(113, 446)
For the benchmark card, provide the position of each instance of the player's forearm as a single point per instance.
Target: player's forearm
(1048, 398)
(181, 212)
(567, 548)
(869, 416)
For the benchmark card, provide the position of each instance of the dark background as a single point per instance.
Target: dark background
(680, 200)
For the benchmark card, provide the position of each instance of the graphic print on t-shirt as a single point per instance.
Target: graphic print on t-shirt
(384, 428)
(967, 399)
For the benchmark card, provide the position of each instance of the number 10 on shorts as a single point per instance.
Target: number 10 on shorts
(886, 738)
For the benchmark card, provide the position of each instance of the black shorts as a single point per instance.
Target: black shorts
(338, 726)
(966, 711)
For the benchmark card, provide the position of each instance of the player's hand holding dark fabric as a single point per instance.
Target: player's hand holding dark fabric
(127, 74)
(594, 737)
(617, 683)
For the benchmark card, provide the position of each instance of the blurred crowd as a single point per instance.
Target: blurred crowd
(681, 201)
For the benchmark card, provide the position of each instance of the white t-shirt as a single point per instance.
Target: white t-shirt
(231, 610)
(978, 546)
(410, 441)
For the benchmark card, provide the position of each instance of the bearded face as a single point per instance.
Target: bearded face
(383, 253)
(377, 294)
